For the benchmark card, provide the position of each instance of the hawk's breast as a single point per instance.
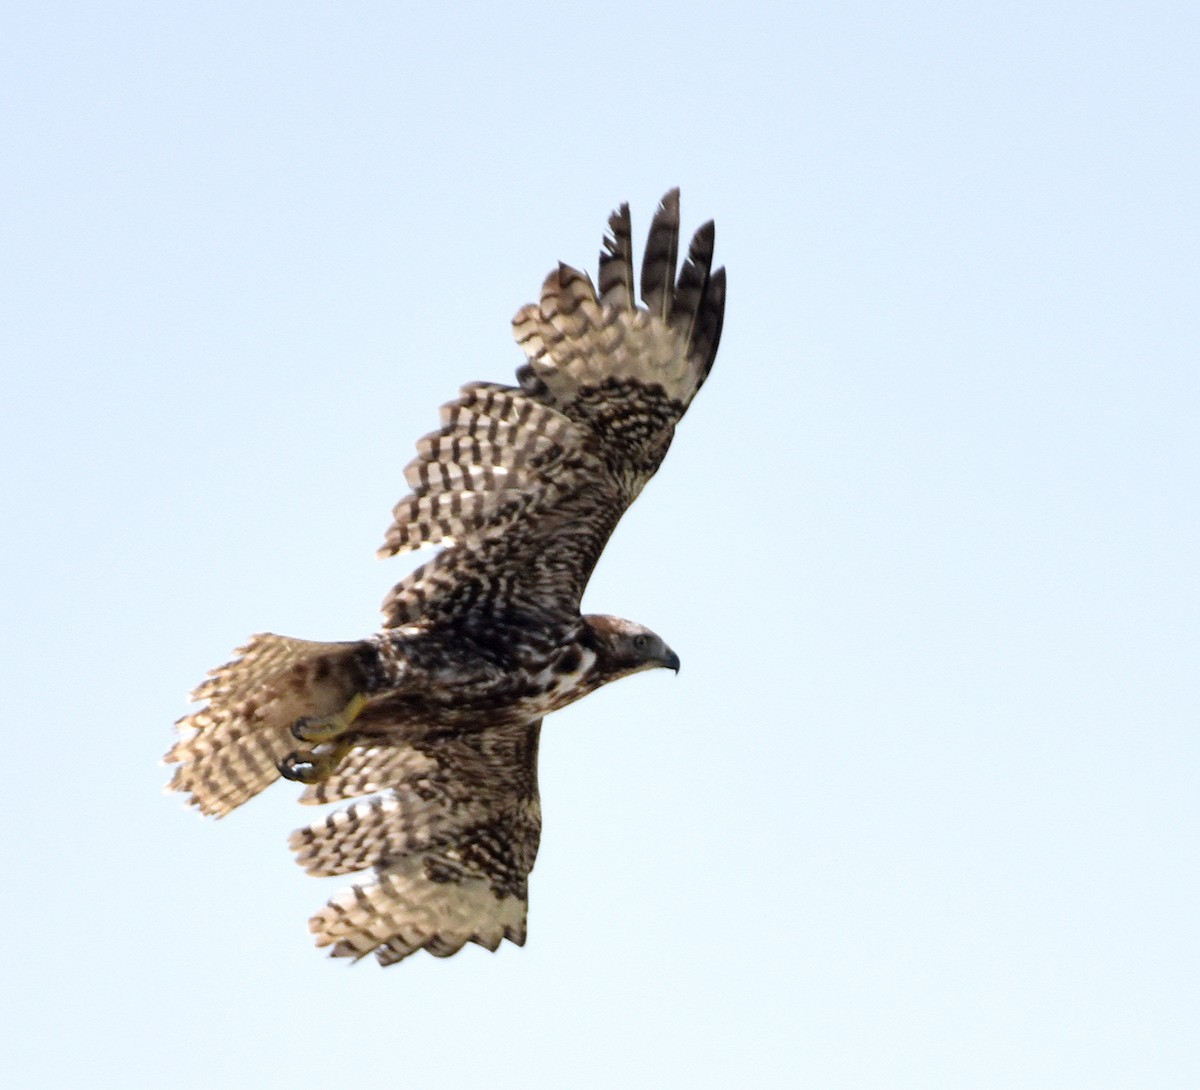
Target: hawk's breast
(560, 682)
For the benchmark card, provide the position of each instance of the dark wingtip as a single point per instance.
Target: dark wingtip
(662, 253)
(710, 318)
(616, 262)
(693, 283)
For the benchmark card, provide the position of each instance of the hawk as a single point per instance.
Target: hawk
(437, 716)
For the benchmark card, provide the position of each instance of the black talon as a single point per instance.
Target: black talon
(297, 768)
(309, 766)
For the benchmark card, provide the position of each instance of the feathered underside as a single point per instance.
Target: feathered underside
(524, 484)
(451, 835)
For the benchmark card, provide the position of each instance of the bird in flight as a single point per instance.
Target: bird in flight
(437, 716)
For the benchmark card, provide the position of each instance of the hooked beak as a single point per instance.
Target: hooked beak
(671, 660)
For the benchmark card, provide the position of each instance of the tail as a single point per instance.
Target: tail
(228, 751)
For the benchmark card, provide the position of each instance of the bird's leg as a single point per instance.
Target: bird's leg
(326, 728)
(331, 736)
(315, 765)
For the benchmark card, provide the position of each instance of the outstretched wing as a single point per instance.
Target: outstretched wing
(525, 484)
(452, 844)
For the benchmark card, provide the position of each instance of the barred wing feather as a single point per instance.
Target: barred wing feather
(524, 485)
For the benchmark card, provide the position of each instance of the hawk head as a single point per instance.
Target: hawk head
(624, 647)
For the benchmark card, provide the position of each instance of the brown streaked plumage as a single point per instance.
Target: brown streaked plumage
(440, 711)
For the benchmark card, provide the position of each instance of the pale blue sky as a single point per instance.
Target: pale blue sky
(921, 808)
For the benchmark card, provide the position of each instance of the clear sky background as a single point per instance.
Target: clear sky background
(921, 808)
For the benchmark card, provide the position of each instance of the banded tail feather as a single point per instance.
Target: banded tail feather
(228, 751)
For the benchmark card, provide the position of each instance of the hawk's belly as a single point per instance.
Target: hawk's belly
(447, 701)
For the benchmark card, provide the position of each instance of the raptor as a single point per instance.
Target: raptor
(433, 722)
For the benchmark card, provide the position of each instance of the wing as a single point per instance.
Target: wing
(452, 844)
(525, 484)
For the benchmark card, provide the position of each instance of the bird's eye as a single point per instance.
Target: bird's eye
(640, 643)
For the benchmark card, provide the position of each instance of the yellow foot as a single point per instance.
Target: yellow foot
(315, 765)
(326, 728)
